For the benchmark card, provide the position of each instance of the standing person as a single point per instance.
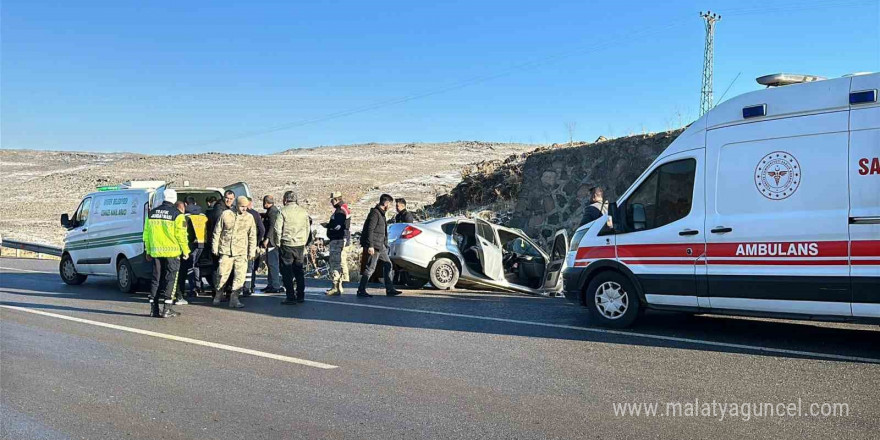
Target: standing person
(339, 234)
(403, 216)
(250, 282)
(273, 280)
(234, 243)
(214, 215)
(374, 238)
(291, 232)
(195, 225)
(165, 242)
(597, 207)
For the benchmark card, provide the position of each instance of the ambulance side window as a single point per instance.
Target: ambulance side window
(664, 197)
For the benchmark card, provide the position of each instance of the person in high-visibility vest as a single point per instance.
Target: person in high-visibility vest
(165, 242)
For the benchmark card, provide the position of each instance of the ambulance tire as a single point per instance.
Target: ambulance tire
(126, 279)
(67, 270)
(612, 300)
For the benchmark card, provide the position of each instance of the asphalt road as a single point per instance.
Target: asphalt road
(426, 364)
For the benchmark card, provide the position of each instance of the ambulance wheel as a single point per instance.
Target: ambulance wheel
(125, 277)
(443, 274)
(612, 301)
(68, 272)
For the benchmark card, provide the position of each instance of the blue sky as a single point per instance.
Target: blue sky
(188, 76)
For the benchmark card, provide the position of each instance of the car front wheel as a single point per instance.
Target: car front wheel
(68, 271)
(612, 301)
(443, 274)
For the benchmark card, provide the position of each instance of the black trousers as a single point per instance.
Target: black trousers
(190, 272)
(292, 268)
(164, 283)
(387, 272)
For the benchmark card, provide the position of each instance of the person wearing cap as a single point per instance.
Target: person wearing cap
(339, 234)
(234, 243)
(291, 230)
(165, 242)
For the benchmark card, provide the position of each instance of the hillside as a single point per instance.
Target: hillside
(49, 183)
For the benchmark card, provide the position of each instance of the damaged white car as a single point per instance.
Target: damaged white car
(464, 252)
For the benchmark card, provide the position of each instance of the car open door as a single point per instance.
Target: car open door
(490, 251)
(558, 251)
(157, 197)
(240, 189)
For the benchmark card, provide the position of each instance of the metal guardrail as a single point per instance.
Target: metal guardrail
(31, 247)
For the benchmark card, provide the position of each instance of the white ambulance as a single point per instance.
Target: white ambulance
(105, 232)
(768, 205)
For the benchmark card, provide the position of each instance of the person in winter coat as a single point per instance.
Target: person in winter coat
(339, 234)
(292, 230)
(374, 239)
(196, 223)
(165, 242)
(234, 243)
(250, 282)
(273, 280)
(597, 207)
(213, 218)
(403, 216)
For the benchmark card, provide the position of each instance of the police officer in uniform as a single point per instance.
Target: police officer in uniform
(165, 242)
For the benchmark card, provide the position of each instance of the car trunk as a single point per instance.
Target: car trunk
(394, 231)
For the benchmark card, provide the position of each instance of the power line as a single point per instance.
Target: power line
(515, 68)
(454, 86)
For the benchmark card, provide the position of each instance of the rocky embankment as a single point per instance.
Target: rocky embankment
(546, 189)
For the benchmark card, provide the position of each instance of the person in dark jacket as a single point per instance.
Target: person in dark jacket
(273, 280)
(403, 216)
(195, 224)
(213, 217)
(597, 207)
(339, 234)
(250, 282)
(374, 239)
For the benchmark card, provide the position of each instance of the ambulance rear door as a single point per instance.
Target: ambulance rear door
(864, 181)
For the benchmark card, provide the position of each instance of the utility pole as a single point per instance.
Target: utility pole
(708, 61)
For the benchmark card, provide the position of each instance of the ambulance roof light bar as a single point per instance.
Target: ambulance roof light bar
(786, 79)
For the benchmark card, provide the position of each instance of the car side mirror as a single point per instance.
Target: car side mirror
(65, 220)
(639, 219)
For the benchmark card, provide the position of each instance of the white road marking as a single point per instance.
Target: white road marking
(23, 270)
(614, 332)
(262, 354)
(769, 350)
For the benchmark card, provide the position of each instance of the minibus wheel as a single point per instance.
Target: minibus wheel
(612, 301)
(68, 271)
(125, 277)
